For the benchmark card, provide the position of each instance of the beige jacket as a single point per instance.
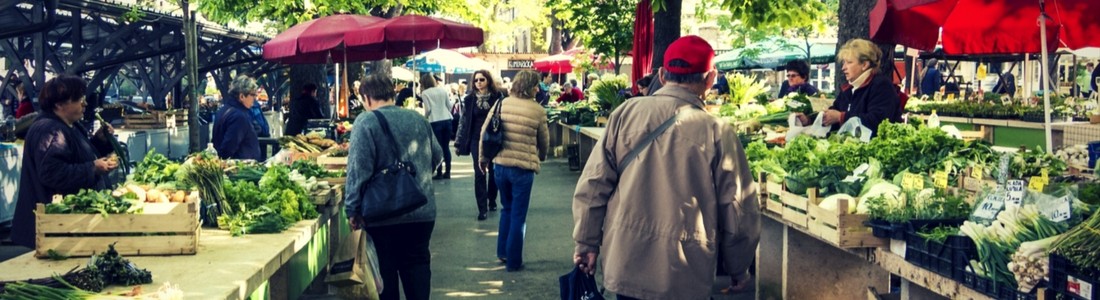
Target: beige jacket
(660, 223)
(526, 137)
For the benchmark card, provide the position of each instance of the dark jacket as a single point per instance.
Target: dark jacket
(931, 82)
(805, 89)
(302, 109)
(371, 148)
(403, 94)
(234, 136)
(873, 103)
(57, 159)
(469, 127)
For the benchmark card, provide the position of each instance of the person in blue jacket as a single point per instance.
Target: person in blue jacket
(234, 136)
(259, 123)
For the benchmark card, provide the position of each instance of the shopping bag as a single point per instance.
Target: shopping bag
(855, 128)
(355, 267)
(578, 285)
(795, 128)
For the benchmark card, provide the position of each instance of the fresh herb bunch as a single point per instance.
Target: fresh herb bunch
(310, 168)
(155, 169)
(91, 202)
(114, 269)
(206, 171)
(938, 234)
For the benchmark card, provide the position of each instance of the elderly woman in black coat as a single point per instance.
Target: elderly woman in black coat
(60, 157)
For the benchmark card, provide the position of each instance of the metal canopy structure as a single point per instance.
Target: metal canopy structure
(91, 38)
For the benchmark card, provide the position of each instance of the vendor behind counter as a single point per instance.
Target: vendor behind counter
(59, 156)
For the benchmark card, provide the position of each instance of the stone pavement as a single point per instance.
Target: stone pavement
(464, 250)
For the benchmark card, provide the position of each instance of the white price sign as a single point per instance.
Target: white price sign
(989, 207)
(1015, 199)
(1058, 212)
(1016, 185)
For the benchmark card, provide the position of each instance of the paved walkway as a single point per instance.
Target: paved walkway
(464, 250)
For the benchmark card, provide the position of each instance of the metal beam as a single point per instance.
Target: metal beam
(37, 25)
(125, 59)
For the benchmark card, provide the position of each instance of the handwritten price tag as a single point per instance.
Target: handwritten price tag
(940, 179)
(1015, 185)
(910, 181)
(977, 172)
(989, 207)
(948, 166)
(1058, 212)
(1036, 184)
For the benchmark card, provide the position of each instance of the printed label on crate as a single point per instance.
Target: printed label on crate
(1079, 287)
(940, 179)
(910, 181)
(976, 172)
(1060, 211)
(989, 207)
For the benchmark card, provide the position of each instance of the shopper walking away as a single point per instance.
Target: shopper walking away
(660, 219)
(437, 107)
(526, 139)
(477, 103)
(401, 242)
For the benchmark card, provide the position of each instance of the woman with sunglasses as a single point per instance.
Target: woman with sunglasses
(477, 103)
(233, 135)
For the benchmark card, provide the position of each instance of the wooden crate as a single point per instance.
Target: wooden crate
(296, 156)
(323, 197)
(162, 229)
(332, 163)
(773, 198)
(842, 229)
(795, 206)
(151, 120)
(334, 181)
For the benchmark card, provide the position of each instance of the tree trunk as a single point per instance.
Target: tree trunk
(666, 29)
(555, 35)
(854, 16)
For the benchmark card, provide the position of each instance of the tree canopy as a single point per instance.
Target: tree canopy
(605, 27)
(285, 13)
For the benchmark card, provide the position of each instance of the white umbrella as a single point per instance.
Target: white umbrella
(447, 61)
(403, 74)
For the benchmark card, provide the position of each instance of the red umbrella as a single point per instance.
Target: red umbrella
(560, 63)
(643, 42)
(402, 35)
(983, 26)
(313, 41)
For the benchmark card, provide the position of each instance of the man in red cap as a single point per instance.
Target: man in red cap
(667, 189)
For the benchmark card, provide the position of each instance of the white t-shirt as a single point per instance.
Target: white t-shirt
(437, 104)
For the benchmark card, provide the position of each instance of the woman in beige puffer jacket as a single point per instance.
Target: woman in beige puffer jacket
(526, 139)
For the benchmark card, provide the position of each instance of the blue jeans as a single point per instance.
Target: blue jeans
(515, 196)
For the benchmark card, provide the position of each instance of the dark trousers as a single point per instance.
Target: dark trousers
(403, 253)
(442, 130)
(485, 187)
(515, 196)
(621, 297)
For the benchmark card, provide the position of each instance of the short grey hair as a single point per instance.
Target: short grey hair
(243, 84)
(567, 86)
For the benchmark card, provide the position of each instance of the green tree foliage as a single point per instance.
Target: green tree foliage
(285, 13)
(501, 20)
(605, 27)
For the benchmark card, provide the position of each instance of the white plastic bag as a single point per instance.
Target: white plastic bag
(816, 129)
(854, 127)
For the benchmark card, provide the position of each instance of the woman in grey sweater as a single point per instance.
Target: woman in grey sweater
(402, 241)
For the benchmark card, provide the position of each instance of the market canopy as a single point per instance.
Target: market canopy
(774, 55)
(985, 27)
(320, 41)
(446, 61)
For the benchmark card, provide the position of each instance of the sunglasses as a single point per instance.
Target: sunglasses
(791, 75)
(480, 80)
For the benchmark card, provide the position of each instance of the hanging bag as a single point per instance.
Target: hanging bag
(392, 190)
(492, 140)
(355, 267)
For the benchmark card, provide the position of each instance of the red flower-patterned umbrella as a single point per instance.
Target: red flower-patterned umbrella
(319, 40)
(404, 35)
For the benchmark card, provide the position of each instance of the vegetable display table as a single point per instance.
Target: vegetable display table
(793, 264)
(584, 137)
(1013, 133)
(257, 266)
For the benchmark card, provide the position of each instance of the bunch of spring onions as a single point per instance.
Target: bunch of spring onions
(1079, 244)
(997, 242)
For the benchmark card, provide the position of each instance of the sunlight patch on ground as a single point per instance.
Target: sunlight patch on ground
(494, 283)
(480, 269)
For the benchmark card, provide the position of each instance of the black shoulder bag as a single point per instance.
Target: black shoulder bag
(492, 140)
(393, 190)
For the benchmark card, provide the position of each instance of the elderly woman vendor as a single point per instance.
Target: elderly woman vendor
(869, 95)
(60, 158)
(234, 135)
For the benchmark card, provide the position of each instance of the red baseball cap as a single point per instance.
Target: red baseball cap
(696, 55)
